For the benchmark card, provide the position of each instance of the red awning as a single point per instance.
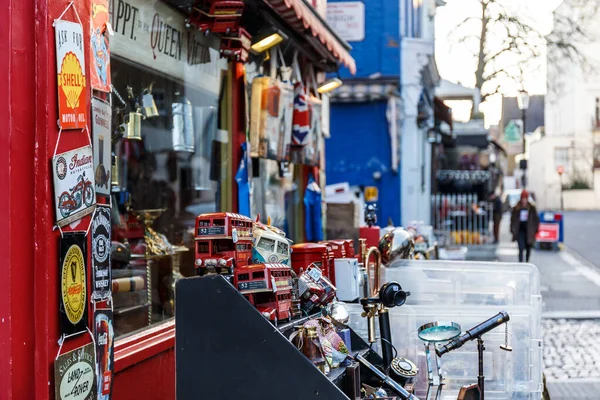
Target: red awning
(301, 18)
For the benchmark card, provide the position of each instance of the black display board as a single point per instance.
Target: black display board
(225, 349)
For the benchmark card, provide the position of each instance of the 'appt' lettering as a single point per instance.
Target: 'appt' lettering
(124, 18)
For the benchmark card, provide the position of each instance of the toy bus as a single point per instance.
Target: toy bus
(217, 16)
(223, 242)
(270, 247)
(268, 287)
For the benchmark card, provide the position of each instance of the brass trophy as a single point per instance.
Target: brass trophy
(156, 243)
(157, 246)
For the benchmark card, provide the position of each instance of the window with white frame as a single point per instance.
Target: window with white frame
(561, 157)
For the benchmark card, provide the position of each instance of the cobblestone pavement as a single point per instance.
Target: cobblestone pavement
(571, 349)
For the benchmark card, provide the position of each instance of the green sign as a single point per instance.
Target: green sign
(512, 132)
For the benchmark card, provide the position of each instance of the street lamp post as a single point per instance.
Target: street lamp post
(523, 103)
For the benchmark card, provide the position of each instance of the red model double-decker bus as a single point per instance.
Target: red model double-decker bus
(268, 287)
(223, 241)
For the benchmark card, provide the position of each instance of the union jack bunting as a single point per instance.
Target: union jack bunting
(301, 119)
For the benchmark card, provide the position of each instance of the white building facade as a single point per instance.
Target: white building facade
(570, 140)
(419, 77)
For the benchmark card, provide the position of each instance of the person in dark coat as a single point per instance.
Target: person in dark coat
(524, 223)
(497, 215)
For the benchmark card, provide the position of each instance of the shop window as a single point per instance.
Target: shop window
(169, 167)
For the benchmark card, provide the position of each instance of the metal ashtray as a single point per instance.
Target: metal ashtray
(439, 331)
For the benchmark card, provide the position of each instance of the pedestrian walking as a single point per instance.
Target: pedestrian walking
(497, 215)
(524, 223)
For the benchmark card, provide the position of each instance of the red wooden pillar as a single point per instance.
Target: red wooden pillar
(238, 124)
(17, 127)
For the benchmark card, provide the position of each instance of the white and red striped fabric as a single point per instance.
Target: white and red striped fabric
(300, 17)
(301, 118)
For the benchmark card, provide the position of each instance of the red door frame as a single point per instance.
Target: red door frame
(17, 335)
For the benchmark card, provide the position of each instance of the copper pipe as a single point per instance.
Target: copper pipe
(376, 285)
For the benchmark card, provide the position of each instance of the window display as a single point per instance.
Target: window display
(169, 169)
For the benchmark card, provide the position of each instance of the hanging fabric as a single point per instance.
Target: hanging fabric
(286, 110)
(243, 182)
(301, 117)
(313, 221)
(258, 85)
(312, 148)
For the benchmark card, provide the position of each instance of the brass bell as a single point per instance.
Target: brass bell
(114, 172)
(132, 127)
(148, 104)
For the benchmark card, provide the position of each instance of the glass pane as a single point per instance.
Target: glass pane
(266, 244)
(282, 248)
(169, 165)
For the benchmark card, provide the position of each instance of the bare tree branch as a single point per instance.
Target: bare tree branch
(522, 43)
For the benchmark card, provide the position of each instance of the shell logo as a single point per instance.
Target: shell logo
(71, 79)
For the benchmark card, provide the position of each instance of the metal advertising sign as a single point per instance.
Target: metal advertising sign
(547, 233)
(73, 283)
(73, 184)
(70, 63)
(74, 374)
(104, 335)
(99, 51)
(101, 288)
(347, 18)
(371, 194)
(101, 121)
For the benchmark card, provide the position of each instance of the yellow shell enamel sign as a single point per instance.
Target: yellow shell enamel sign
(72, 88)
(73, 284)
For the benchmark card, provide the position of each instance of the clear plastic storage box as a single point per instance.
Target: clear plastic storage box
(469, 293)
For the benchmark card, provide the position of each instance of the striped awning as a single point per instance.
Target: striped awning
(304, 19)
(358, 92)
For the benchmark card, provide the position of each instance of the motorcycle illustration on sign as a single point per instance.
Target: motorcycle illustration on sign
(74, 185)
(70, 201)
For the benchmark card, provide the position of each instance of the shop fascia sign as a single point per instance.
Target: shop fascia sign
(152, 34)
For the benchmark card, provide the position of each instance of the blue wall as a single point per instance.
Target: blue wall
(358, 147)
(380, 50)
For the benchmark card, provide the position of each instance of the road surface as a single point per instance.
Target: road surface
(570, 286)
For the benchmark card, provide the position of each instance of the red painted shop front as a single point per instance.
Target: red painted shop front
(144, 359)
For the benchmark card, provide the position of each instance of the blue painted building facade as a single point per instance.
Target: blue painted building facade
(358, 152)
(368, 113)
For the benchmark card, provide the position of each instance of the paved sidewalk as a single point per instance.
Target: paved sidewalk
(570, 286)
(570, 289)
